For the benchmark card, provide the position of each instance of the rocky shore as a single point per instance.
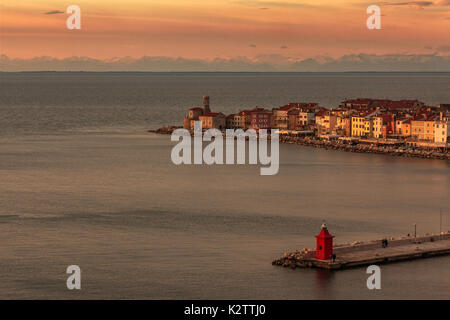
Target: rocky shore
(294, 259)
(340, 145)
(398, 151)
(165, 129)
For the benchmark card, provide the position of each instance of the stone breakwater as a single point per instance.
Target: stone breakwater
(165, 129)
(295, 259)
(342, 145)
(398, 151)
(364, 253)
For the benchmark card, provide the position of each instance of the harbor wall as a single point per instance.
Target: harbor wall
(345, 248)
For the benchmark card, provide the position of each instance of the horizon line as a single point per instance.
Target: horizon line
(82, 71)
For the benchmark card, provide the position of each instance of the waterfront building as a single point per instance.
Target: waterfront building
(325, 122)
(343, 126)
(306, 117)
(406, 128)
(378, 127)
(294, 119)
(280, 118)
(299, 118)
(244, 118)
(383, 125)
(358, 127)
(441, 130)
(422, 127)
(238, 121)
(280, 115)
(260, 119)
(213, 120)
(231, 122)
(403, 127)
(362, 124)
(368, 127)
(192, 116)
(195, 113)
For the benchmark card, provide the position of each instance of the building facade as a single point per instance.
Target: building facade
(441, 132)
(213, 120)
(260, 119)
(195, 113)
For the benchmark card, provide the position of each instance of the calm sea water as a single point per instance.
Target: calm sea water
(82, 182)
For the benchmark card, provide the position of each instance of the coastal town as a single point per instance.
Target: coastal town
(403, 127)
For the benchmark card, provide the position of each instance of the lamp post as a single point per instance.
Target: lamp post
(415, 230)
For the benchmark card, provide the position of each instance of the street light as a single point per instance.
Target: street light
(415, 230)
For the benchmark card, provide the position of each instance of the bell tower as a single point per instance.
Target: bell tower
(324, 248)
(206, 105)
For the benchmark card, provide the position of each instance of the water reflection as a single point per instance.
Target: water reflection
(324, 284)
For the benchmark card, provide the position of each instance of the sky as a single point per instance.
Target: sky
(270, 31)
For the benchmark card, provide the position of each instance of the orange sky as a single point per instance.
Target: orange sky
(221, 28)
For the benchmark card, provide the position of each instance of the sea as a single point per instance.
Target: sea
(83, 182)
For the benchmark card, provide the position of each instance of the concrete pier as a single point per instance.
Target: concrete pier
(371, 252)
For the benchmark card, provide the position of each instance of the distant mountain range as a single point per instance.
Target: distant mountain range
(263, 63)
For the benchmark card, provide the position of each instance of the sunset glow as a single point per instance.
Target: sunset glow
(208, 29)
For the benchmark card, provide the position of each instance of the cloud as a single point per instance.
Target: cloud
(442, 3)
(443, 49)
(283, 47)
(252, 45)
(418, 4)
(415, 4)
(268, 3)
(54, 12)
(262, 63)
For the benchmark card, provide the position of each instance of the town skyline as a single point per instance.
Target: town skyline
(405, 121)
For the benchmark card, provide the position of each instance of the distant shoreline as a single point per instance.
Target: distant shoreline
(239, 72)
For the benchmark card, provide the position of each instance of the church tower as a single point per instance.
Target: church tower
(206, 105)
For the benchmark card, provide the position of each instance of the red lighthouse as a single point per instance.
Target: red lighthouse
(324, 249)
